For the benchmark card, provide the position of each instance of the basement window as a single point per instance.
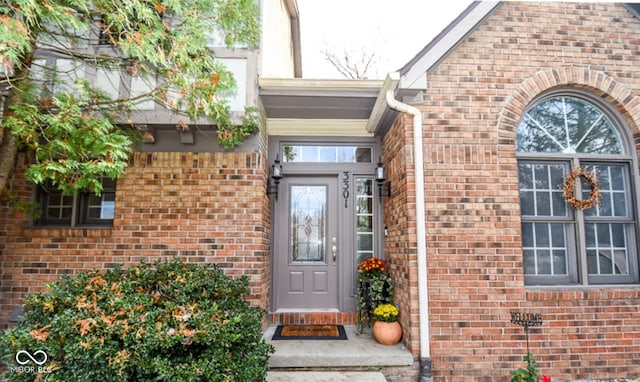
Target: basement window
(81, 209)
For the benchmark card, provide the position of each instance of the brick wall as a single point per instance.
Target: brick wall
(399, 214)
(474, 100)
(200, 207)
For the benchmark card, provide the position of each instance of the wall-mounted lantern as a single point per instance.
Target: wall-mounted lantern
(380, 178)
(276, 175)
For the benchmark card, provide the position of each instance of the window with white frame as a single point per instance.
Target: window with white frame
(79, 209)
(565, 245)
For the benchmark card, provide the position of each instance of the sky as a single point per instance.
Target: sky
(394, 30)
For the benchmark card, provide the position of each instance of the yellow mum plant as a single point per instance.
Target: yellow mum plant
(385, 313)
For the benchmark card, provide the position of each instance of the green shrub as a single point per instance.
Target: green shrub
(530, 374)
(168, 322)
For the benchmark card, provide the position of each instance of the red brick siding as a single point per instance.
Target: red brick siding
(200, 207)
(474, 100)
(400, 223)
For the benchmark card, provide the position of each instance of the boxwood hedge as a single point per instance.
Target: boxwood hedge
(170, 321)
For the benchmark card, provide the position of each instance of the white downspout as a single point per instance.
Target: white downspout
(423, 297)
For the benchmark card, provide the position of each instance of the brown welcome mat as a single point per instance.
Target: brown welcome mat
(310, 332)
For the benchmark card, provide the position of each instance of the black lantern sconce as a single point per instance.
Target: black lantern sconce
(380, 179)
(276, 175)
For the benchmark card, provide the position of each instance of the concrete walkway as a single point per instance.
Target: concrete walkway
(327, 376)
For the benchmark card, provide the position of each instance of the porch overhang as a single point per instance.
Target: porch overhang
(296, 106)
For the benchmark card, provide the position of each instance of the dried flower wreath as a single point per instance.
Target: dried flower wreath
(570, 185)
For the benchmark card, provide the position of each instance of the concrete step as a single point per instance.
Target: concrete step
(324, 376)
(360, 351)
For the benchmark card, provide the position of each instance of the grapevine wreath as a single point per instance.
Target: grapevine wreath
(570, 186)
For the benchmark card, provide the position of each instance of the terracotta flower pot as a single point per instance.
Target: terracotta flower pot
(387, 333)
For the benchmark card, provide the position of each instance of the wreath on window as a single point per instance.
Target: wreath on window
(570, 186)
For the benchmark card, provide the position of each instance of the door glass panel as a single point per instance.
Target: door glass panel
(308, 215)
(364, 219)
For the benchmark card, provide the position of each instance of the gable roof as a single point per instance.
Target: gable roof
(409, 82)
(415, 70)
(633, 8)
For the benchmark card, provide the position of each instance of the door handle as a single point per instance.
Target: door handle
(334, 249)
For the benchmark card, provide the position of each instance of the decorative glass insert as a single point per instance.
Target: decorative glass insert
(567, 125)
(364, 219)
(326, 154)
(308, 223)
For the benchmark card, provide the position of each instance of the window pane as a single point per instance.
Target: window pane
(544, 262)
(547, 253)
(58, 207)
(558, 238)
(619, 204)
(525, 176)
(527, 235)
(365, 242)
(527, 204)
(566, 124)
(612, 188)
(540, 192)
(543, 204)
(607, 249)
(541, 174)
(542, 235)
(364, 218)
(560, 262)
(559, 204)
(617, 178)
(327, 154)
(529, 262)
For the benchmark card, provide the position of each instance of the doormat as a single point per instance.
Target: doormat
(310, 332)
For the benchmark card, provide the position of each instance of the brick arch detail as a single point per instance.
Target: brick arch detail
(626, 102)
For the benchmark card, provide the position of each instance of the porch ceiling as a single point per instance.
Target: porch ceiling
(296, 98)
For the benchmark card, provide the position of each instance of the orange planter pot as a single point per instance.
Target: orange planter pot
(387, 333)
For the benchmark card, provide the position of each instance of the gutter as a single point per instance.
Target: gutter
(388, 89)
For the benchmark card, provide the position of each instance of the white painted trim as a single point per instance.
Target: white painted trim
(319, 86)
(318, 127)
(379, 108)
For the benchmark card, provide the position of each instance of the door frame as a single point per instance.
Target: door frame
(346, 174)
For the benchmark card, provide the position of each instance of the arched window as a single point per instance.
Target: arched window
(563, 245)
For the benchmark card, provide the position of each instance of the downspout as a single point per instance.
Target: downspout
(423, 297)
